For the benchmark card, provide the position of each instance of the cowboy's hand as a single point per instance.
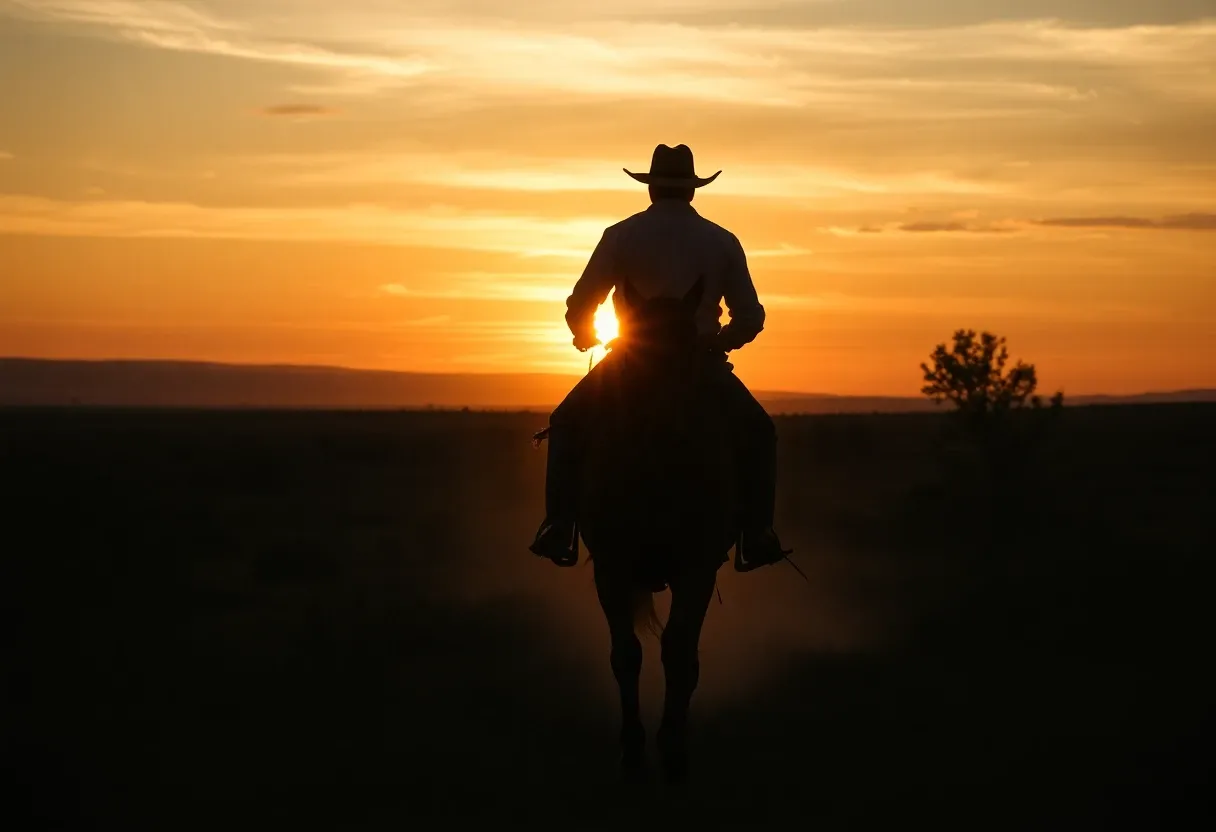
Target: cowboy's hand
(585, 341)
(714, 343)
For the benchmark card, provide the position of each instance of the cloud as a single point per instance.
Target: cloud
(296, 110)
(1190, 222)
(6, 156)
(431, 320)
(846, 124)
(184, 27)
(370, 47)
(484, 287)
(505, 172)
(1178, 222)
(434, 228)
(932, 226)
(789, 13)
(956, 307)
(553, 335)
(956, 12)
(782, 250)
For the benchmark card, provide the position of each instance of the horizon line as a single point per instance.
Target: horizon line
(550, 375)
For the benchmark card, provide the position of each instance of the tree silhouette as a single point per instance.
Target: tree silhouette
(971, 375)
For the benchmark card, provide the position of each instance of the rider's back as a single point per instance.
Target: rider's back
(664, 250)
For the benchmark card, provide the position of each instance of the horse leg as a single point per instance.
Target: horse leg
(617, 600)
(691, 592)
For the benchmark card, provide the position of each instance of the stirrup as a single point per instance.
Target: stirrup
(568, 556)
(744, 565)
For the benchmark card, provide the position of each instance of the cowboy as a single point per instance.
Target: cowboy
(665, 251)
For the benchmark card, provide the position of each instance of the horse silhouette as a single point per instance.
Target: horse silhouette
(657, 506)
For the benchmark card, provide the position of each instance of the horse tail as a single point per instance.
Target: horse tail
(645, 616)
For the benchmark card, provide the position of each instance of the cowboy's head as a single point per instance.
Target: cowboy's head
(672, 174)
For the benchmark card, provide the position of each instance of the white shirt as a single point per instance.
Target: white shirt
(662, 252)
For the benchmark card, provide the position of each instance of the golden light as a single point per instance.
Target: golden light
(606, 326)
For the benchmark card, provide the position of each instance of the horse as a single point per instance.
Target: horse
(657, 507)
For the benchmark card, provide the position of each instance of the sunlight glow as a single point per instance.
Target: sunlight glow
(606, 328)
(606, 325)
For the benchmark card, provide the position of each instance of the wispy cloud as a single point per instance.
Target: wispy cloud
(1176, 222)
(550, 334)
(932, 226)
(955, 227)
(504, 172)
(6, 156)
(187, 27)
(432, 320)
(847, 113)
(484, 286)
(296, 110)
(1179, 222)
(437, 228)
(783, 250)
(961, 307)
(384, 45)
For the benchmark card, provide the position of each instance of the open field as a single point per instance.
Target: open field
(331, 619)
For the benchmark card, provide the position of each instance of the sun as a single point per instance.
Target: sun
(606, 325)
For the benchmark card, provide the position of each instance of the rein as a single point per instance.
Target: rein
(542, 435)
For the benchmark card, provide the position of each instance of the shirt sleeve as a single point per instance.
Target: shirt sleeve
(742, 303)
(592, 289)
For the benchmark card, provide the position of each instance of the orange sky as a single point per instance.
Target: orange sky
(417, 185)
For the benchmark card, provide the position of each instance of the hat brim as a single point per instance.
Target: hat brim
(672, 182)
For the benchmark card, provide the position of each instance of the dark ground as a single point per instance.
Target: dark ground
(332, 620)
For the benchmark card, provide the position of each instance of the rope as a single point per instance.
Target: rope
(790, 561)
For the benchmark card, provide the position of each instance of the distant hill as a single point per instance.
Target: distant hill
(40, 382)
(199, 384)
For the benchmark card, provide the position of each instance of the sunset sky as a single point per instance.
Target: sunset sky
(416, 184)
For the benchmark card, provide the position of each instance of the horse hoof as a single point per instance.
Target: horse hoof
(633, 760)
(675, 768)
(633, 752)
(633, 770)
(673, 753)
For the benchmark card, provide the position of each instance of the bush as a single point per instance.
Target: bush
(972, 376)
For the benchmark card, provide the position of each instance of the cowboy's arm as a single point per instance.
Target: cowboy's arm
(589, 292)
(742, 303)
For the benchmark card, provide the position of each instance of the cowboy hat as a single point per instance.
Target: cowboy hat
(672, 167)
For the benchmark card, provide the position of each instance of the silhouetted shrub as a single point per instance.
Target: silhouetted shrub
(971, 375)
(991, 456)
